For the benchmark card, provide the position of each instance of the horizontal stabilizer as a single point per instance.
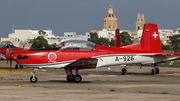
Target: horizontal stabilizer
(170, 59)
(156, 54)
(83, 63)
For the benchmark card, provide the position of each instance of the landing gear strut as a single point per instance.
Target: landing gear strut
(16, 66)
(154, 70)
(71, 77)
(34, 78)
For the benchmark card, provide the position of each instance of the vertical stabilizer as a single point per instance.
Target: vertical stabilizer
(150, 38)
(117, 39)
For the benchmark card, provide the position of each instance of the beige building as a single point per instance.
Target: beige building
(139, 27)
(110, 20)
(140, 22)
(24, 34)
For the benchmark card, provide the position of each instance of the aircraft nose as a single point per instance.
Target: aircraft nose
(8, 56)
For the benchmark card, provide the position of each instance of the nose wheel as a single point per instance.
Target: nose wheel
(33, 79)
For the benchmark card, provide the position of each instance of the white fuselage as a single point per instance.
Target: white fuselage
(108, 60)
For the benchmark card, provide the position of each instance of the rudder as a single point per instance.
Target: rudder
(150, 38)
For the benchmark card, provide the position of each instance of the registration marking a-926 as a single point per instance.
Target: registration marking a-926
(124, 58)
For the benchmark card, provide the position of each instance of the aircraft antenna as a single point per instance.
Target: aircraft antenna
(12, 28)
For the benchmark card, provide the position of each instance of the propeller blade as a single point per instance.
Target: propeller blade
(9, 48)
(10, 65)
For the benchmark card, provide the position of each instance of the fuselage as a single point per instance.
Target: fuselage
(106, 56)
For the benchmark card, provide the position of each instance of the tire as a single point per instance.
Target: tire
(69, 79)
(16, 66)
(152, 71)
(123, 71)
(21, 66)
(157, 70)
(77, 78)
(33, 79)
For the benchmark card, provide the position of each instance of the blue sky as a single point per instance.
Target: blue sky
(81, 16)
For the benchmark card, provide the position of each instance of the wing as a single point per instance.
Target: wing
(2, 57)
(155, 54)
(83, 63)
(170, 59)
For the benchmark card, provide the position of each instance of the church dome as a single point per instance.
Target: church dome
(110, 15)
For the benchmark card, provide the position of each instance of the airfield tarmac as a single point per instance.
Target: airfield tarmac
(102, 84)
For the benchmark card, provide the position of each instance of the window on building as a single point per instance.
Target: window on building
(138, 28)
(109, 25)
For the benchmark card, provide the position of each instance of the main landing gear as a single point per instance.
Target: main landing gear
(73, 78)
(124, 70)
(16, 66)
(154, 70)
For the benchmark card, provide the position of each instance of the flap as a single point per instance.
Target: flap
(83, 63)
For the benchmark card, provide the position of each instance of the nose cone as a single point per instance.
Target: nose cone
(8, 56)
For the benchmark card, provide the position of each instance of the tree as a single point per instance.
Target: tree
(165, 47)
(39, 42)
(42, 33)
(125, 38)
(175, 40)
(52, 45)
(101, 41)
(94, 38)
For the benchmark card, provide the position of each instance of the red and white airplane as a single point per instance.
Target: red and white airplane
(75, 55)
(7, 47)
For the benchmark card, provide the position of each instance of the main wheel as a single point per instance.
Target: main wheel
(77, 78)
(21, 66)
(70, 78)
(33, 79)
(123, 71)
(152, 71)
(16, 66)
(157, 70)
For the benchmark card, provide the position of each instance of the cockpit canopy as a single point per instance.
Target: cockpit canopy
(77, 45)
(6, 44)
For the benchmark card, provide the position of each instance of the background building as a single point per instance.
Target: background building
(110, 20)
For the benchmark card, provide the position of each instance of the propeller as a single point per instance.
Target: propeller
(11, 57)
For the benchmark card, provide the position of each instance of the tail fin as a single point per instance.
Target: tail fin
(150, 39)
(117, 39)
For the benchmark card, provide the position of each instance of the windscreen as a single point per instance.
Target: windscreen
(79, 45)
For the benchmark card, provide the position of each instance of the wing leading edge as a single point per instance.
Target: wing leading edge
(2, 57)
(83, 63)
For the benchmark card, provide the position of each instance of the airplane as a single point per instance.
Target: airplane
(74, 55)
(4, 49)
